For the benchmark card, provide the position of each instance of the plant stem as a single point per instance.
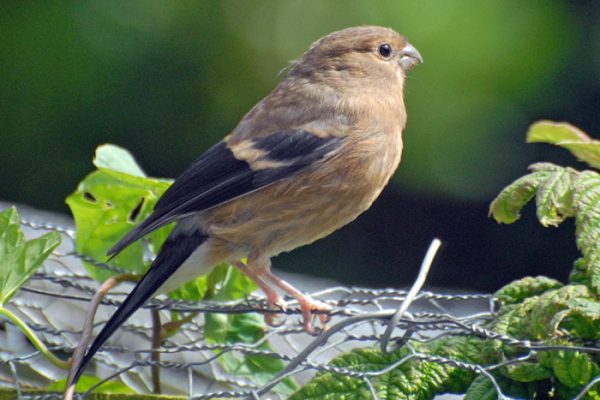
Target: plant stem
(36, 341)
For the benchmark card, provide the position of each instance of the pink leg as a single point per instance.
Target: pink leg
(307, 303)
(274, 300)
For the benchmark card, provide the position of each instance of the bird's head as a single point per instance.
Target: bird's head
(378, 54)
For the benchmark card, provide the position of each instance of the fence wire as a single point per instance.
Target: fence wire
(54, 303)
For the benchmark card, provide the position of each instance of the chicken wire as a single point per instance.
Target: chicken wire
(54, 303)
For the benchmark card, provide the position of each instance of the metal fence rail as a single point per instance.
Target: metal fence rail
(54, 303)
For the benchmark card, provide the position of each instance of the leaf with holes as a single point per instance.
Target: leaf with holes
(20, 258)
(107, 204)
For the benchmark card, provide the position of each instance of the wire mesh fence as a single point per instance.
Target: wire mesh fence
(54, 303)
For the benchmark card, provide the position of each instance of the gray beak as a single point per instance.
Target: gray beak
(409, 57)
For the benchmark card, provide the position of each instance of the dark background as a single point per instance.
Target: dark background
(168, 79)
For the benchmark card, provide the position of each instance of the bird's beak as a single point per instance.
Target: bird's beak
(409, 57)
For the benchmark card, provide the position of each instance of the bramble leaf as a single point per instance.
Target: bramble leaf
(506, 207)
(519, 290)
(20, 259)
(587, 221)
(411, 379)
(568, 136)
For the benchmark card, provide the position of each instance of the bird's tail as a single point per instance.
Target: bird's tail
(176, 249)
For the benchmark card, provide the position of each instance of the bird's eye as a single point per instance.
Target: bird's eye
(385, 50)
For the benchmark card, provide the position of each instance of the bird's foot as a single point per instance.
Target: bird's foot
(274, 302)
(307, 306)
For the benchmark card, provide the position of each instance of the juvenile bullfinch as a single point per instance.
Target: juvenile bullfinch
(305, 161)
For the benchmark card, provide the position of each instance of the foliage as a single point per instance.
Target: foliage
(537, 309)
(111, 201)
(543, 309)
(411, 379)
(19, 260)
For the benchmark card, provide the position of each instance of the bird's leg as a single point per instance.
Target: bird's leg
(307, 303)
(274, 300)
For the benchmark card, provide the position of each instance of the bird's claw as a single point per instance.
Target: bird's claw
(274, 302)
(307, 306)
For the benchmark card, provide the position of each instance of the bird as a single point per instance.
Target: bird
(304, 161)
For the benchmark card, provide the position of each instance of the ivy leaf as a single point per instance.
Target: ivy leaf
(20, 259)
(413, 379)
(566, 135)
(507, 206)
(521, 289)
(108, 203)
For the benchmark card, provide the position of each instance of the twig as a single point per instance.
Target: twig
(155, 355)
(414, 290)
(88, 326)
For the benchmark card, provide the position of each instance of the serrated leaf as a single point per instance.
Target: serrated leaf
(586, 201)
(554, 198)
(20, 259)
(533, 317)
(567, 136)
(506, 207)
(573, 369)
(519, 290)
(415, 380)
(581, 319)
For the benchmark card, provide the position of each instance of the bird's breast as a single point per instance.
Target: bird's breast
(313, 203)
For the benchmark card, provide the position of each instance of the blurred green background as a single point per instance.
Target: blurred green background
(167, 79)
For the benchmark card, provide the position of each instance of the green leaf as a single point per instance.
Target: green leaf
(225, 283)
(228, 283)
(521, 289)
(482, 388)
(566, 135)
(573, 369)
(20, 259)
(507, 206)
(413, 379)
(580, 319)
(110, 156)
(108, 203)
(554, 197)
(248, 329)
(586, 201)
(194, 290)
(86, 382)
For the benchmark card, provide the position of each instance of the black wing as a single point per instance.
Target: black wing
(218, 177)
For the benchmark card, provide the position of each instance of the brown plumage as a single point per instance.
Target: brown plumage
(306, 160)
